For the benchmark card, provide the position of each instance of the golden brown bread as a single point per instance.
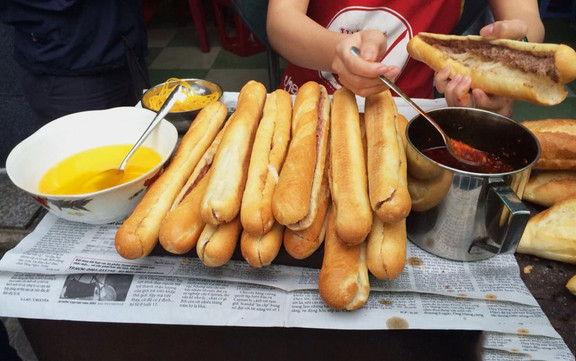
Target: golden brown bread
(180, 229)
(557, 138)
(571, 285)
(260, 251)
(295, 199)
(519, 70)
(348, 178)
(427, 193)
(302, 244)
(386, 249)
(386, 159)
(546, 187)
(138, 234)
(343, 280)
(216, 244)
(551, 234)
(223, 197)
(268, 154)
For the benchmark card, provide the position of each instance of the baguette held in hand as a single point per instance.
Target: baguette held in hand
(221, 203)
(348, 178)
(138, 234)
(551, 234)
(268, 154)
(519, 70)
(295, 199)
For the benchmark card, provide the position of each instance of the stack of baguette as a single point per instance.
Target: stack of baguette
(551, 234)
(278, 172)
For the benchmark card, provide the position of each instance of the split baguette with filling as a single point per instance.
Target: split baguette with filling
(268, 154)
(138, 234)
(551, 234)
(386, 249)
(221, 203)
(343, 281)
(557, 138)
(533, 72)
(295, 199)
(347, 175)
(216, 244)
(386, 159)
(260, 251)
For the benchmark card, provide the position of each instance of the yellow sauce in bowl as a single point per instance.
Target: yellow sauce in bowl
(72, 175)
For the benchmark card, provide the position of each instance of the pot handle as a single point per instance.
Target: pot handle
(508, 226)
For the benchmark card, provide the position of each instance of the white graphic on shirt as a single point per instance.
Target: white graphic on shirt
(397, 29)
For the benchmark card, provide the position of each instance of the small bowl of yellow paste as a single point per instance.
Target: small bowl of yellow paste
(199, 94)
(55, 163)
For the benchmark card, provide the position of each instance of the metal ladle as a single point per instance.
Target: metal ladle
(111, 177)
(459, 150)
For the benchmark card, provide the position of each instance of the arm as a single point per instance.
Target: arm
(305, 43)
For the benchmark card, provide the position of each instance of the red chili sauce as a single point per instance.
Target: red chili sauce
(493, 163)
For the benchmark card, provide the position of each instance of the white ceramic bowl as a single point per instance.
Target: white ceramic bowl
(73, 133)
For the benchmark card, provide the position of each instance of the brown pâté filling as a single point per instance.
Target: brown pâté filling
(540, 63)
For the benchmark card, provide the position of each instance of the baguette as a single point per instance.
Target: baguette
(348, 178)
(221, 203)
(216, 244)
(386, 249)
(268, 154)
(547, 187)
(260, 251)
(343, 280)
(138, 234)
(518, 70)
(386, 159)
(302, 244)
(557, 138)
(295, 199)
(551, 234)
(571, 285)
(428, 193)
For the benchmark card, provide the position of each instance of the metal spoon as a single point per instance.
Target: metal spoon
(111, 177)
(459, 150)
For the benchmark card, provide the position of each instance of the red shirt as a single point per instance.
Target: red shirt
(400, 20)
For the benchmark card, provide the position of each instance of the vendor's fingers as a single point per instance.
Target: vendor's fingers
(441, 79)
(506, 29)
(373, 45)
(494, 103)
(365, 86)
(457, 92)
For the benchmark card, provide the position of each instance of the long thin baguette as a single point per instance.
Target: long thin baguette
(138, 235)
(260, 251)
(223, 196)
(348, 178)
(557, 138)
(343, 280)
(387, 173)
(295, 199)
(386, 249)
(216, 244)
(268, 154)
(547, 187)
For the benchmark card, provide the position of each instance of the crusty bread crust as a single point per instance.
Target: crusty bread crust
(260, 251)
(387, 173)
(138, 234)
(223, 196)
(216, 244)
(302, 244)
(268, 154)
(348, 177)
(386, 249)
(427, 193)
(343, 280)
(551, 234)
(295, 199)
(557, 138)
(548, 187)
(498, 78)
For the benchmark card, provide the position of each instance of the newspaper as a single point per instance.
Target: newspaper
(71, 271)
